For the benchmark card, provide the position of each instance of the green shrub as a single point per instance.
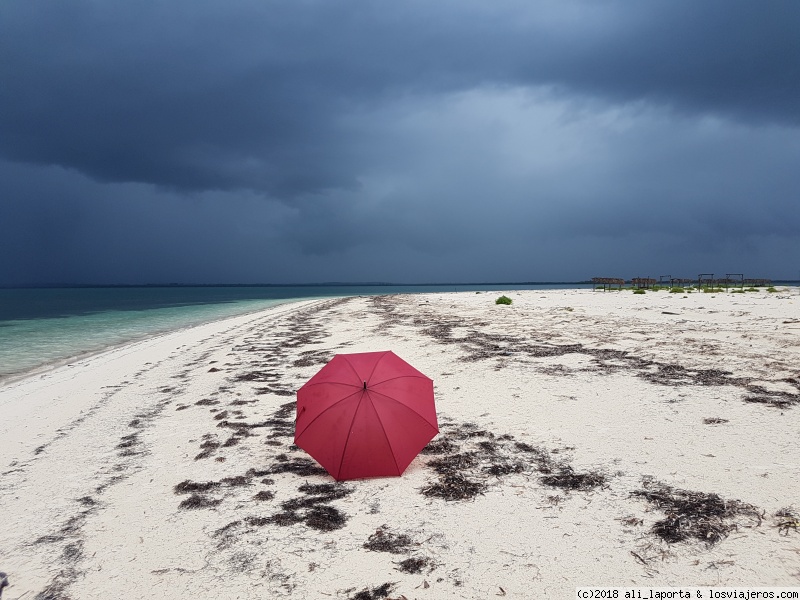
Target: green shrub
(711, 290)
(503, 300)
(638, 291)
(737, 291)
(751, 289)
(677, 290)
(771, 289)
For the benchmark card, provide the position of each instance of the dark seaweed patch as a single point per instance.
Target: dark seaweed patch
(72, 552)
(384, 540)
(196, 501)
(128, 440)
(264, 495)
(705, 517)
(453, 487)
(325, 518)
(567, 479)
(191, 487)
(284, 519)
(382, 591)
(440, 445)
(505, 468)
(413, 565)
(777, 401)
(236, 481)
(452, 463)
(206, 402)
(788, 520)
(260, 376)
(299, 466)
(208, 446)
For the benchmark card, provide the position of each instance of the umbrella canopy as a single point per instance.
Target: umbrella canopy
(365, 415)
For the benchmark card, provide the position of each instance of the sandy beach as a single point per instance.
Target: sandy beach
(587, 438)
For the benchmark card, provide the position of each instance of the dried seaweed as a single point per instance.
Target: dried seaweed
(705, 517)
(196, 501)
(325, 518)
(452, 463)
(237, 481)
(413, 565)
(567, 479)
(384, 540)
(440, 445)
(382, 591)
(781, 401)
(206, 402)
(191, 487)
(504, 468)
(454, 487)
(299, 466)
(788, 520)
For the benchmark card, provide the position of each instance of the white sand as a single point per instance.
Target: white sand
(91, 452)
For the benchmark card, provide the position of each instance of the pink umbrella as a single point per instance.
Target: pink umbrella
(365, 415)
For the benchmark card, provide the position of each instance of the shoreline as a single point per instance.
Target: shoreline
(66, 360)
(167, 464)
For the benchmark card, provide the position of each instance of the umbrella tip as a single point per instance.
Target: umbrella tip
(365, 385)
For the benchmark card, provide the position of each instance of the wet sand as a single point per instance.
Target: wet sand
(587, 438)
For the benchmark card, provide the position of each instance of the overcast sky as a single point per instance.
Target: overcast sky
(416, 141)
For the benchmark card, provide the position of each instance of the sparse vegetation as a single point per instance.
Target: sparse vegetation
(677, 290)
(638, 291)
(503, 300)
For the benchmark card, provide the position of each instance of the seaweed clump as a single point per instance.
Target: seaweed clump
(382, 591)
(566, 478)
(452, 484)
(413, 565)
(196, 501)
(304, 467)
(694, 515)
(384, 540)
(312, 508)
(788, 520)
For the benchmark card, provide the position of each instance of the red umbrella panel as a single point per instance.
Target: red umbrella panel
(365, 415)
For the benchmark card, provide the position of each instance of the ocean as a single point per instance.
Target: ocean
(42, 326)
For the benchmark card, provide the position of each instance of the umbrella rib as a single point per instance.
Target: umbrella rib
(407, 407)
(349, 431)
(349, 364)
(386, 437)
(375, 366)
(327, 409)
(401, 376)
(311, 384)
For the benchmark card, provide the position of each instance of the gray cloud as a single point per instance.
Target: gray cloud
(265, 141)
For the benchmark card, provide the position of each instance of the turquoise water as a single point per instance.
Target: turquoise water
(40, 326)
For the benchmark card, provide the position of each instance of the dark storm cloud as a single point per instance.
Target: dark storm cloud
(257, 141)
(255, 95)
